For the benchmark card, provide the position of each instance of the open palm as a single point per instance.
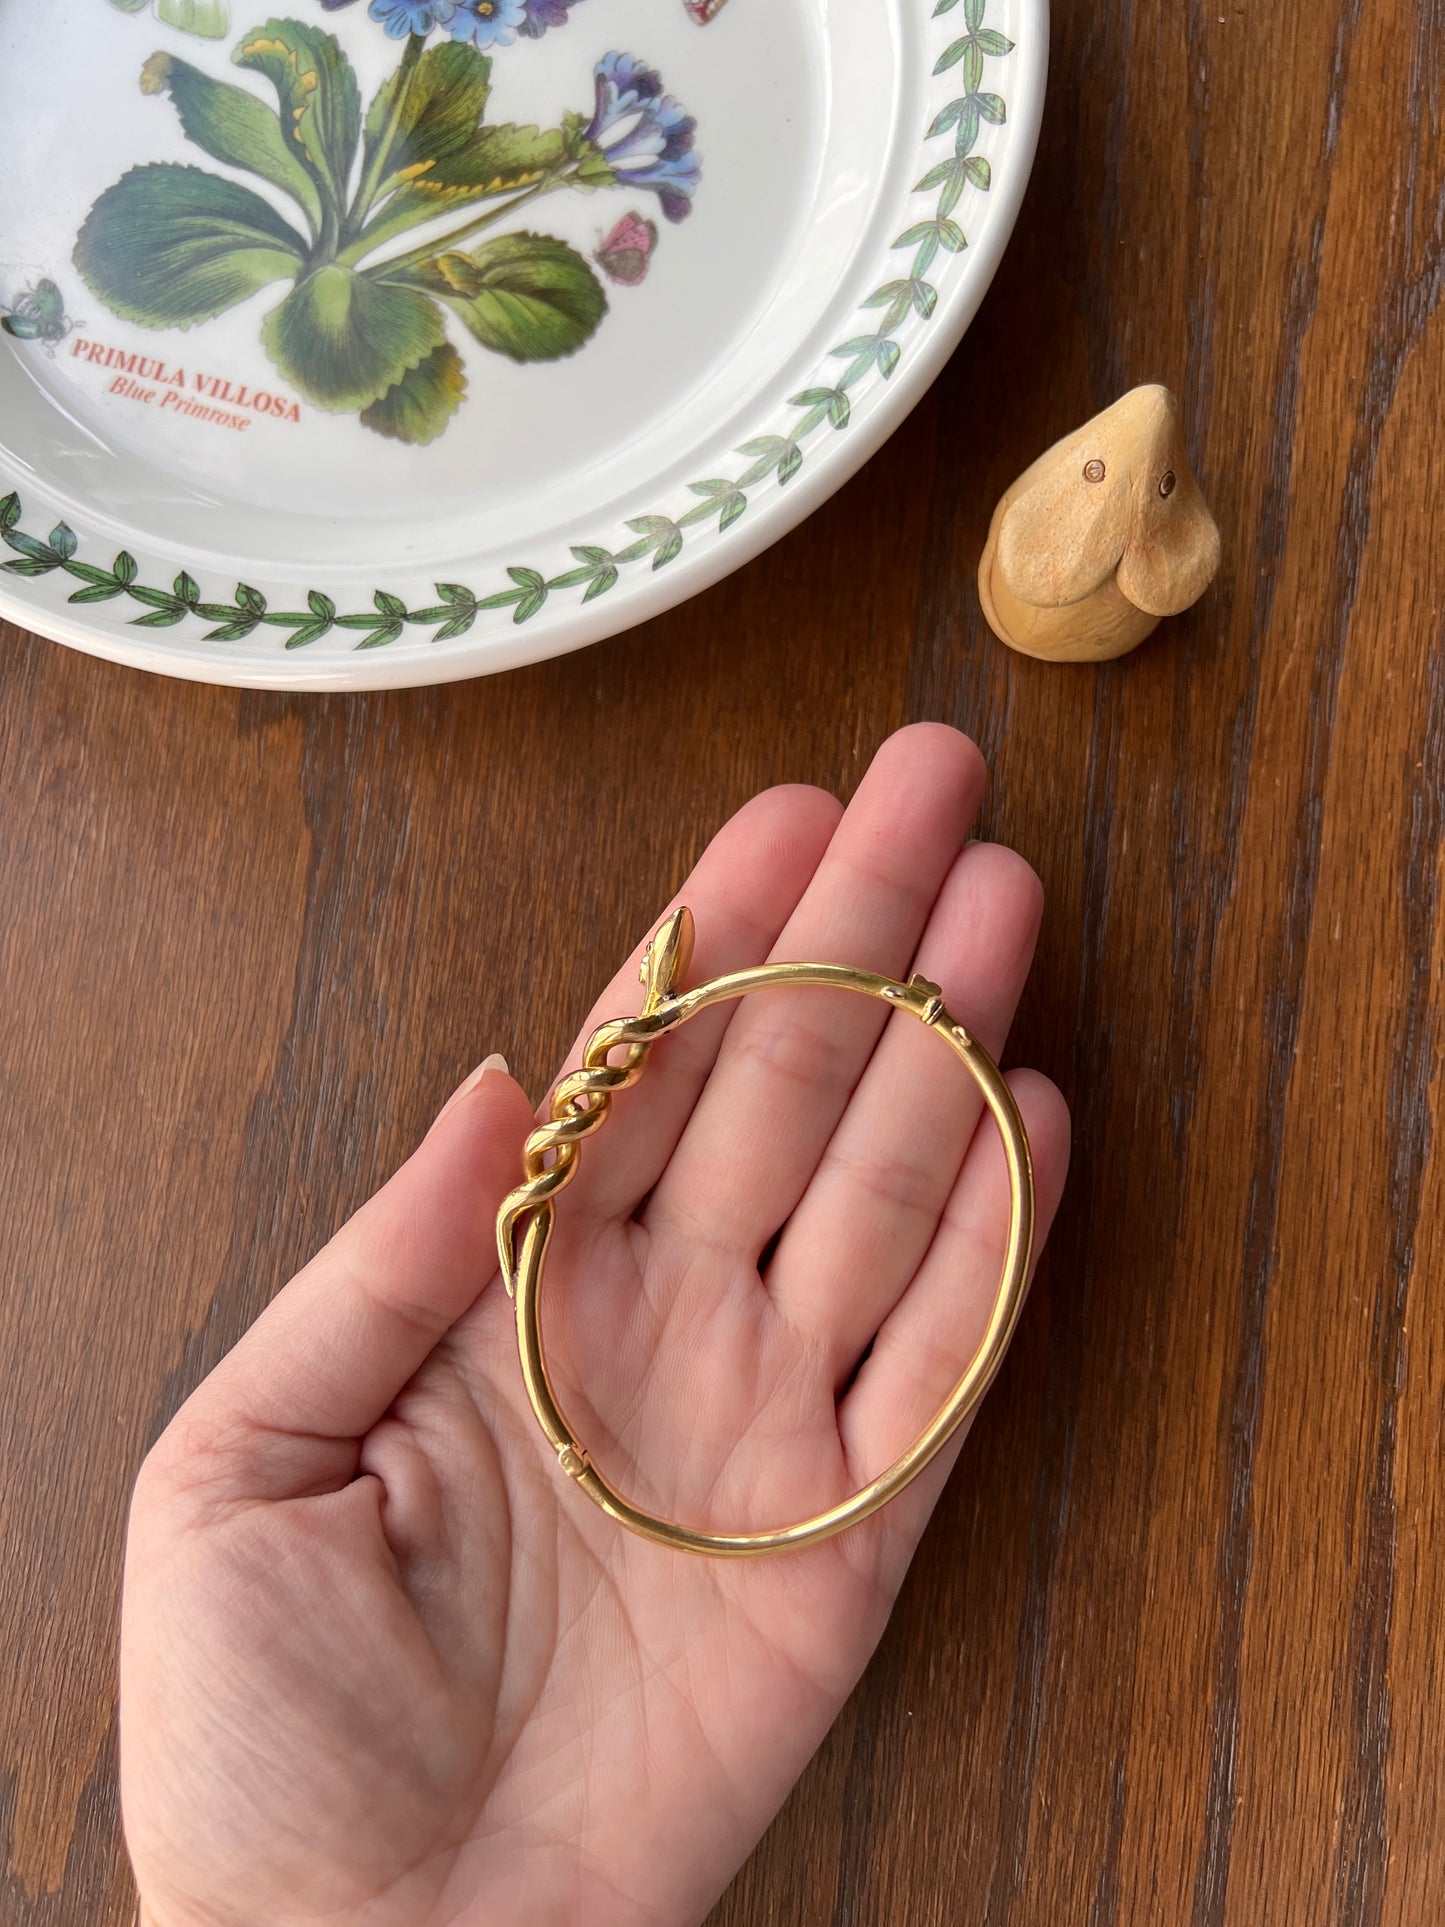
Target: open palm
(381, 1661)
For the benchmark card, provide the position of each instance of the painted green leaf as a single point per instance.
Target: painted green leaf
(531, 602)
(772, 452)
(421, 404)
(661, 538)
(725, 499)
(944, 174)
(495, 160)
(529, 296)
(528, 586)
(170, 246)
(30, 546)
(320, 101)
(382, 634)
(232, 126)
(344, 341)
(590, 166)
(308, 633)
(427, 111)
(209, 18)
(458, 626)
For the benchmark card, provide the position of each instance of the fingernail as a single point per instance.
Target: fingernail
(496, 1062)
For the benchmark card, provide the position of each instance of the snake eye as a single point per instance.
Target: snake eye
(1166, 482)
(1094, 471)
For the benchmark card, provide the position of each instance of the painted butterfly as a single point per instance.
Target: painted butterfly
(704, 10)
(38, 315)
(626, 254)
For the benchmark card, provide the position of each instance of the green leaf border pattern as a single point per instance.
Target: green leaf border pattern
(660, 538)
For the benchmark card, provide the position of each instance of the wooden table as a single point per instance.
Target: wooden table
(1172, 1651)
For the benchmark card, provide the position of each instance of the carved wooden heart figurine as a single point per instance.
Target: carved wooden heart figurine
(1106, 533)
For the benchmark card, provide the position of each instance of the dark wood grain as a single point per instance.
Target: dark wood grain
(1172, 1650)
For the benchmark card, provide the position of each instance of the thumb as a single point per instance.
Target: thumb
(282, 1414)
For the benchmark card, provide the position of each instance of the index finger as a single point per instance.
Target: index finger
(741, 892)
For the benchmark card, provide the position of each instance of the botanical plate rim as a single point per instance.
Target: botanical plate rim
(697, 569)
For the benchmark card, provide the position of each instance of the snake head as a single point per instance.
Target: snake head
(668, 956)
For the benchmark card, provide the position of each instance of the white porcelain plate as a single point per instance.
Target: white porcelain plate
(390, 341)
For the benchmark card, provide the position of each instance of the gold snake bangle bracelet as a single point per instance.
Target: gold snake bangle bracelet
(579, 1107)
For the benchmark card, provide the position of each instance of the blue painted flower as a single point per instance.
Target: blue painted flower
(488, 23)
(401, 17)
(645, 137)
(542, 14)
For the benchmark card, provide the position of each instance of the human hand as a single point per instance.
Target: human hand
(380, 1662)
